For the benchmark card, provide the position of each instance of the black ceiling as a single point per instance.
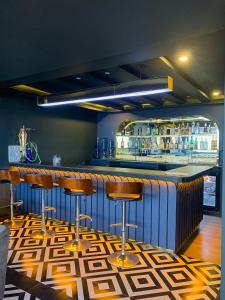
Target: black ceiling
(49, 44)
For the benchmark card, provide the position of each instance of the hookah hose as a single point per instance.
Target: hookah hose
(33, 150)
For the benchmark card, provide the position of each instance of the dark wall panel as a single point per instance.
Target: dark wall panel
(69, 132)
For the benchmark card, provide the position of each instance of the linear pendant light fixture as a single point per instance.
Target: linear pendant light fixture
(124, 90)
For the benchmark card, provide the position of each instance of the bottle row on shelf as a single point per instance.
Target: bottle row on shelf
(169, 143)
(194, 128)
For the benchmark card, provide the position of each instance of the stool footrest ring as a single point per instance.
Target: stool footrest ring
(18, 203)
(116, 224)
(49, 208)
(4, 206)
(132, 225)
(127, 225)
(83, 217)
(35, 216)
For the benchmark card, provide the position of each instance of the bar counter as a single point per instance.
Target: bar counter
(170, 212)
(179, 174)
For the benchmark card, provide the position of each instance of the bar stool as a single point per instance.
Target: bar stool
(124, 192)
(78, 188)
(13, 179)
(43, 183)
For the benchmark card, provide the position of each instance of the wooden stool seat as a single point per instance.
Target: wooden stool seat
(76, 185)
(15, 178)
(78, 188)
(124, 190)
(33, 180)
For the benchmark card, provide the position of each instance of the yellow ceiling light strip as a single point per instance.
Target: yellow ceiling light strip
(167, 62)
(29, 89)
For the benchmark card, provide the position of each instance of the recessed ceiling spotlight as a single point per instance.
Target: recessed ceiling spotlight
(183, 58)
(78, 78)
(216, 93)
(107, 73)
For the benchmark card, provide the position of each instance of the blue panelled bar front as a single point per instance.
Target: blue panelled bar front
(167, 216)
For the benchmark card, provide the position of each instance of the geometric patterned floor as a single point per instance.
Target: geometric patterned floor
(44, 270)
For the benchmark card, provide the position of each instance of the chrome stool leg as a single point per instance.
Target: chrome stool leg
(123, 259)
(43, 233)
(12, 223)
(77, 244)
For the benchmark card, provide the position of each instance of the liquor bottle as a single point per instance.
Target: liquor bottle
(185, 144)
(183, 129)
(176, 143)
(201, 144)
(167, 144)
(205, 128)
(122, 143)
(160, 130)
(187, 129)
(209, 128)
(164, 130)
(156, 130)
(172, 131)
(161, 144)
(130, 144)
(179, 130)
(214, 143)
(206, 144)
(153, 130)
(196, 144)
(179, 144)
(191, 144)
(176, 130)
(193, 128)
(171, 144)
(214, 129)
(139, 131)
(197, 128)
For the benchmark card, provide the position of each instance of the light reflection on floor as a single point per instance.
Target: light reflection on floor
(42, 269)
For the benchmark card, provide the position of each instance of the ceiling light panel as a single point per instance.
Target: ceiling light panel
(124, 90)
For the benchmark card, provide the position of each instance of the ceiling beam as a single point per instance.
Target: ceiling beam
(181, 76)
(140, 75)
(109, 80)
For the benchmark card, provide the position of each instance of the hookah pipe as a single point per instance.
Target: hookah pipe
(28, 148)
